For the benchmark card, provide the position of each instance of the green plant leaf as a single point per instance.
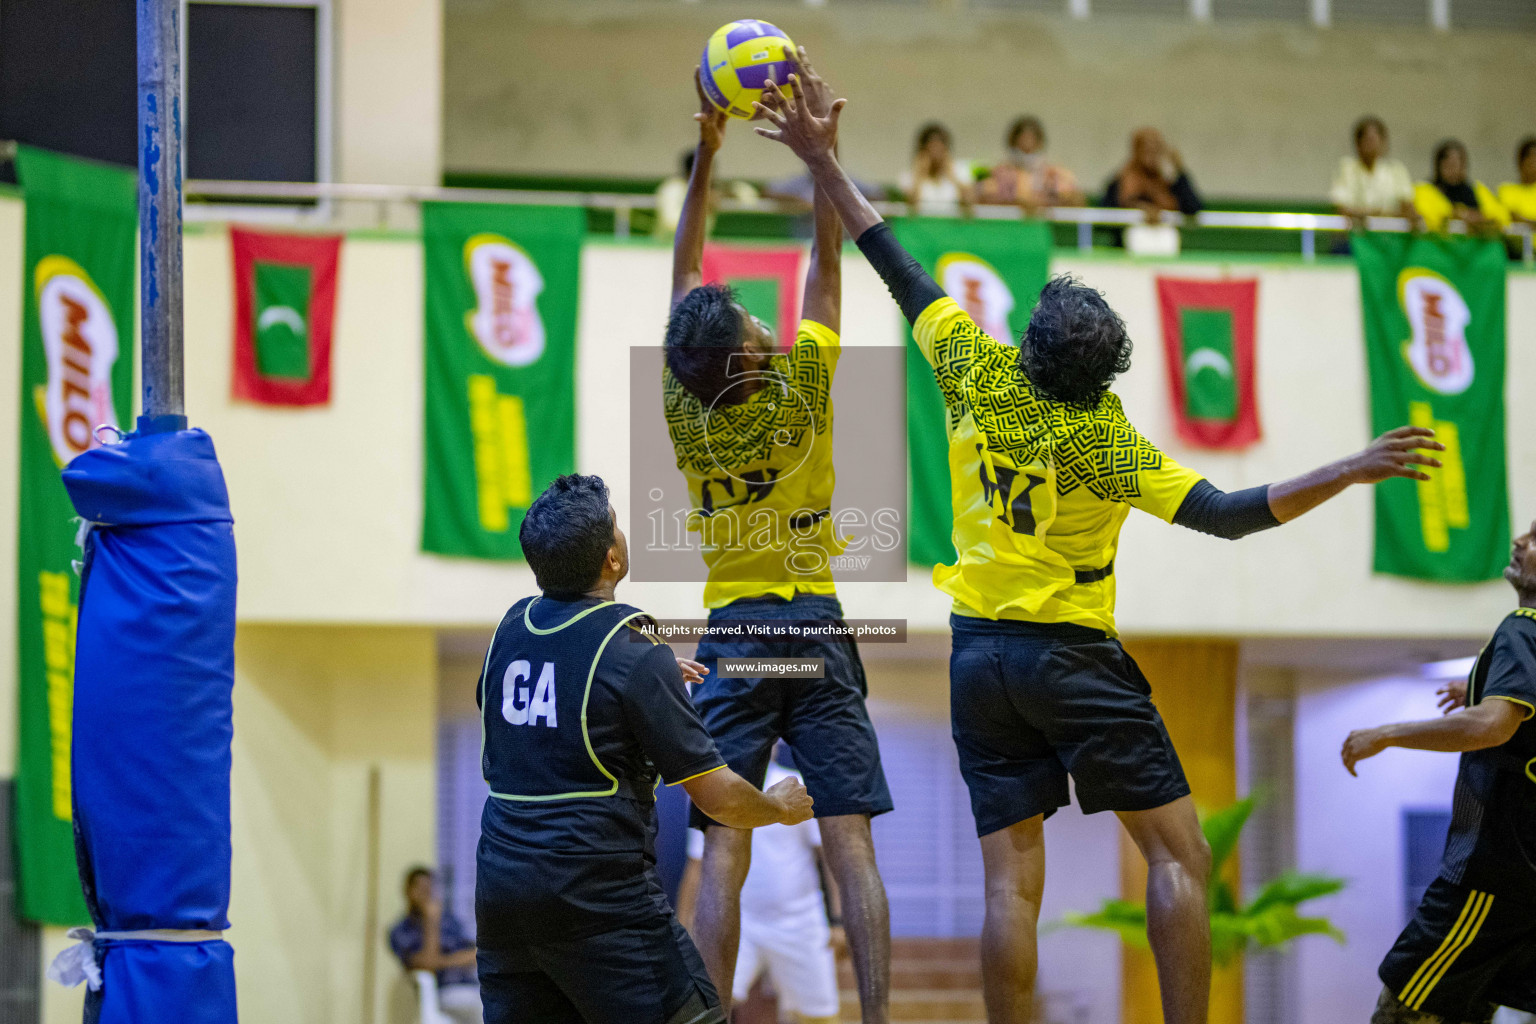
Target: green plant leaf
(1229, 937)
(1222, 899)
(1270, 920)
(1123, 917)
(1292, 888)
(1223, 828)
(1279, 924)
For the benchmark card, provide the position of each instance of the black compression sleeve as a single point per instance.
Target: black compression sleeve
(1225, 515)
(910, 285)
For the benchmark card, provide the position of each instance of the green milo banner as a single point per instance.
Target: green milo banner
(76, 374)
(502, 287)
(1434, 338)
(994, 270)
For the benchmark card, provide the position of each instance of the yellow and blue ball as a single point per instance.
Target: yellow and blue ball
(738, 61)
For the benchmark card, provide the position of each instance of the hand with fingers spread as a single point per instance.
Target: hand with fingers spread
(818, 94)
(810, 137)
(1453, 696)
(693, 671)
(1397, 453)
(712, 120)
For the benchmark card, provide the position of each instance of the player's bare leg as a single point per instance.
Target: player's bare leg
(717, 920)
(1178, 917)
(850, 853)
(1014, 861)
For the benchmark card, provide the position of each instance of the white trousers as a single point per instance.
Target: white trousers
(461, 1003)
(797, 954)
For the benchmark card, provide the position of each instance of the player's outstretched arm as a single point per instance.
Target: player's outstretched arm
(688, 245)
(1488, 724)
(824, 280)
(736, 803)
(814, 140)
(1397, 453)
(1236, 514)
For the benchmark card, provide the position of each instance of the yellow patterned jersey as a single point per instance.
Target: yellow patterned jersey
(760, 475)
(1039, 489)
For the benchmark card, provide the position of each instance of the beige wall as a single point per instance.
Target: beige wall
(388, 101)
(317, 708)
(1260, 109)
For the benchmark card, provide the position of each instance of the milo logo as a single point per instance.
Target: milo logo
(80, 346)
(507, 284)
(980, 290)
(1438, 317)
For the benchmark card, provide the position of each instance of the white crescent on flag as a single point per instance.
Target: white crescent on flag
(273, 315)
(1207, 359)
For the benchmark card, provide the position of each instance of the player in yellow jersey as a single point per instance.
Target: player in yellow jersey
(1044, 468)
(752, 432)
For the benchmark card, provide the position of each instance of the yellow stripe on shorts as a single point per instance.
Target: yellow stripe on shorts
(1429, 974)
(1450, 938)
(1466, 941)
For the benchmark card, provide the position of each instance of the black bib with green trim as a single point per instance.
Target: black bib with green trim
(534, 691)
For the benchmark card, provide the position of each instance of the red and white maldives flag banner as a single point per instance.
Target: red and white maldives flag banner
(285, 305)
(1208, 337)
(766, 280)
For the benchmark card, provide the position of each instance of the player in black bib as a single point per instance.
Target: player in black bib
(1472, 945)
(582, 714)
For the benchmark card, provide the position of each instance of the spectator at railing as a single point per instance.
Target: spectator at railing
(1519, 198)
(800, 190)
(1026, 177)
(671, 192)
(1452, 195)
(937, 184)
(669, 197)
(1153, 180)
(1370, 183)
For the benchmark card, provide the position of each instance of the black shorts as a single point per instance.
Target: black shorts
(1465, 950)
(823, 720)
(1032, 702)
(642, 972)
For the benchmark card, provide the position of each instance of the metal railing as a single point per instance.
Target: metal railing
(227, 194)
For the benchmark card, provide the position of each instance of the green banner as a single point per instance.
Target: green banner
(502, 287)
(282, 351)
(995, 270)
(76, 374)
(1434, 338)
(1209, 394)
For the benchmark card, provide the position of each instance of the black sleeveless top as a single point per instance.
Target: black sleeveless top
(581, 716)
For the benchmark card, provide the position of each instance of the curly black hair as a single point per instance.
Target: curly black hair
(566, 534)
(704, 331)
(1526, 145)
(1075, 344)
